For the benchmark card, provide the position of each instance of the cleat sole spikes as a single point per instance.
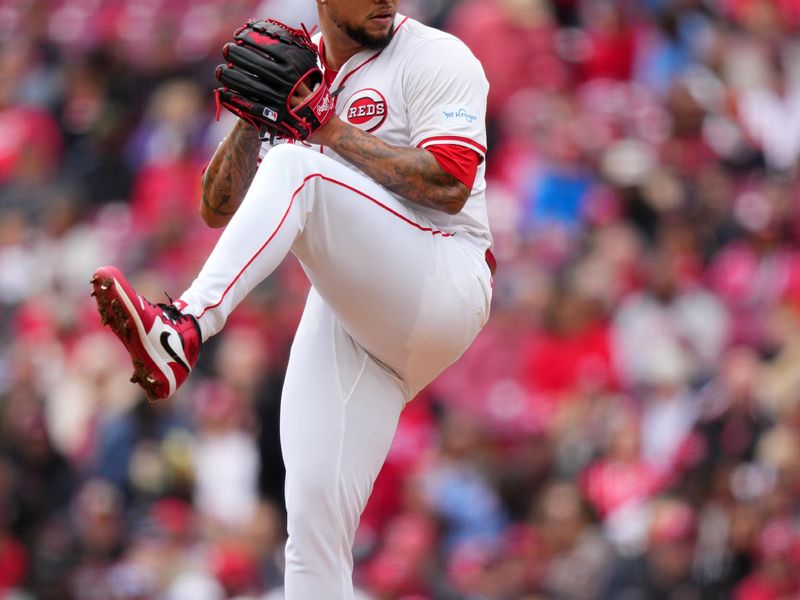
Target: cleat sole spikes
(113, 315)
(143, 376)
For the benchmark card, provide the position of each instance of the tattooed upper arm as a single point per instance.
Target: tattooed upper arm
(420, 178)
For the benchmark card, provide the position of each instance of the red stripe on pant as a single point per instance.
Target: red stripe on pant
(491, 261)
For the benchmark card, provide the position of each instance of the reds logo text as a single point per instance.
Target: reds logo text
(366, 109)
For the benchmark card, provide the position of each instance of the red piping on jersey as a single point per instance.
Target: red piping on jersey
(328, 73)
(286, 214)
(321, 50)
(453, 138)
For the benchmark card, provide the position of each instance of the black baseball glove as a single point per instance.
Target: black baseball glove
(266, 64)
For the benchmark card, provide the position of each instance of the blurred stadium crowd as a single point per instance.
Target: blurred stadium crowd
(626, 427)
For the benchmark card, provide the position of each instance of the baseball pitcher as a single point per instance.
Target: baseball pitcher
(361, 151)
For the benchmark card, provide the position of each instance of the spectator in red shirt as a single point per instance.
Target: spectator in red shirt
(573, 354)
(621, 477)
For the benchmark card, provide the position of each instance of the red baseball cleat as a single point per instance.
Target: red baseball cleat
(163, 342)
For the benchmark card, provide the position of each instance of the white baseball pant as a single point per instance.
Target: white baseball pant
(394, 301)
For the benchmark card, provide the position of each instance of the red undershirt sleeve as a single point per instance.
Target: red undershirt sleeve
(459, 161)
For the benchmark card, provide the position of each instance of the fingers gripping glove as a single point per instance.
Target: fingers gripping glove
(267, 62)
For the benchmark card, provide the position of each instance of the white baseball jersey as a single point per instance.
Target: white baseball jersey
(425, 88)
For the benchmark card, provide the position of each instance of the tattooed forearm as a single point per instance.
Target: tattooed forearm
(412, 173)
(229, 174)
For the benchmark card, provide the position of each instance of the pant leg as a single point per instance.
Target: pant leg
(394, 301)
(339, 413)
(412, 295)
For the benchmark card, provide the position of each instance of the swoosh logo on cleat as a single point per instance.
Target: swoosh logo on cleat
(165, 343)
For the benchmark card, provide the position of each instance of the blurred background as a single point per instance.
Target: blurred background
(626, 427)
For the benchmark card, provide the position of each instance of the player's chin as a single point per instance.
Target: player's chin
(380, 30)
(379, 41)
(371, 35)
